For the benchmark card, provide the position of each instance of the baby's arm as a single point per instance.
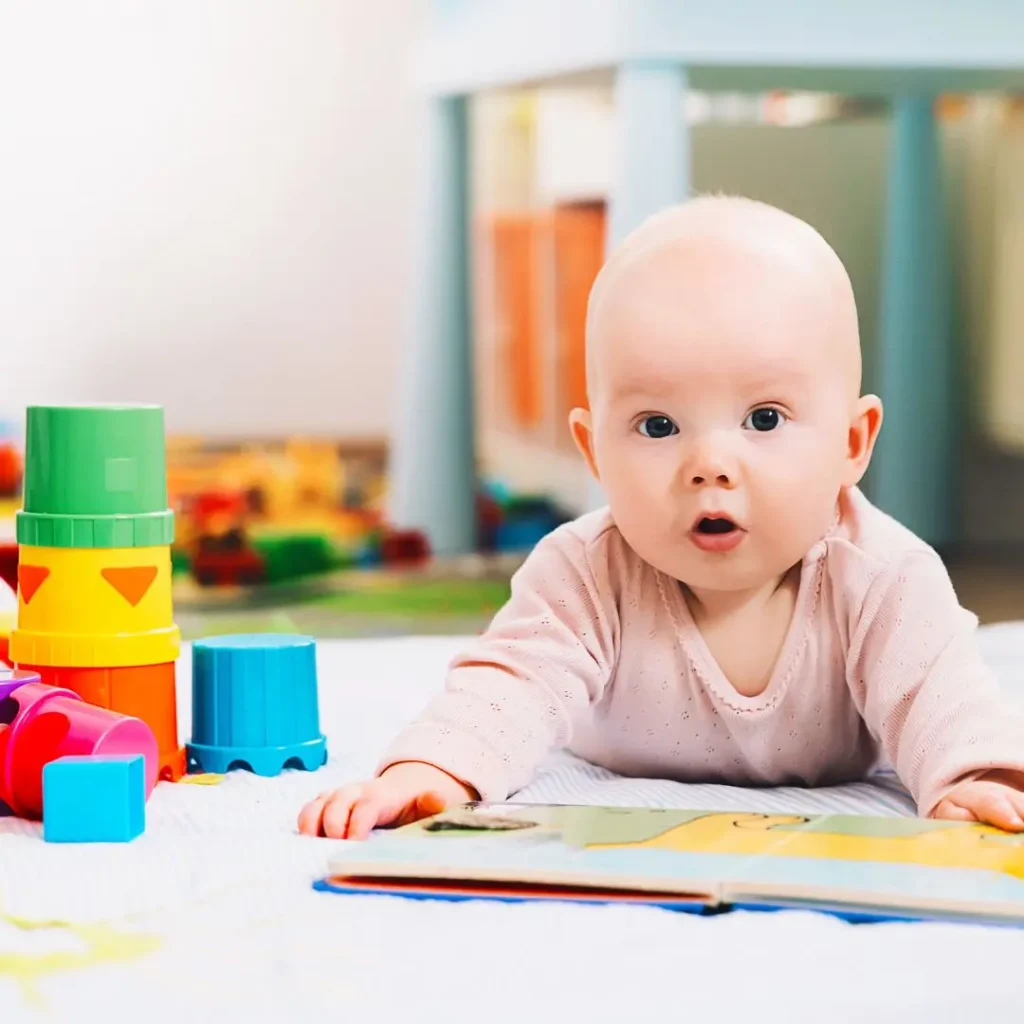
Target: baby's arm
(508, 700)
(953, 737)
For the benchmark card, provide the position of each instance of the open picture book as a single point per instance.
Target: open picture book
(861, 868)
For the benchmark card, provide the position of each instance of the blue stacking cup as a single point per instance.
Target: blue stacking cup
(255, 704)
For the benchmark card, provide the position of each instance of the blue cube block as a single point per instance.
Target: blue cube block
(94, 799)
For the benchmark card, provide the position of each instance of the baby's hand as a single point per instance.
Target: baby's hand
(405, 792)
(994, 799)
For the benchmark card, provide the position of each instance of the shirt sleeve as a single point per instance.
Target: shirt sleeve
(921, 685)
(512, 697)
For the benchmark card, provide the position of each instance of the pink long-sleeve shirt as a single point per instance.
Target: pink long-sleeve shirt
(596, 651)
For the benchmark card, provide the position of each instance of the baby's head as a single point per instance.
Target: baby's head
(724, 375)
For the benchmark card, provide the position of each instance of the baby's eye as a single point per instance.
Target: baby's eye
(657, 427)
(765, 418)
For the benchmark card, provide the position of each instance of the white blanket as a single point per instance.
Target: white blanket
(210, 914)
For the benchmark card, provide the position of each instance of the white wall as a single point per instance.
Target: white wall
(205, 203)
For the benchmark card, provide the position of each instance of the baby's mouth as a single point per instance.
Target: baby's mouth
(717, 533)
(715, 524)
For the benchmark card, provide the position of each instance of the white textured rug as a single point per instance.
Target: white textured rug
(211, 911)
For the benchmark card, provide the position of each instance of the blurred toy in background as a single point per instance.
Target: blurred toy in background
(11, 460)
(10, 470)
(488, 520)
(217, 551)
(9, 563)
(514, 523)
(403, 547)
(253, 513)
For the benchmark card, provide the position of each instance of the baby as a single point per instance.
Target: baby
(740, 613)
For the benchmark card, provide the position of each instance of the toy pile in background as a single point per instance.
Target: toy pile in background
(274, 512)
(253, 513)
(292, 535)
(88, 715)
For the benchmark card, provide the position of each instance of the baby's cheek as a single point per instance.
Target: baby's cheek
(634, 503)
(800, 511)
(802, 461)
(626, 467)
(645, 500)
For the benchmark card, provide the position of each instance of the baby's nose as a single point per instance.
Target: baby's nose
(721, 478)
(710, 466)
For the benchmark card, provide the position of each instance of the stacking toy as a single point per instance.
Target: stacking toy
(42, 723)
(255, 704)
(95, 614)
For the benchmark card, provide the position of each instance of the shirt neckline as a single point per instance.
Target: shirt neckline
(706, 666)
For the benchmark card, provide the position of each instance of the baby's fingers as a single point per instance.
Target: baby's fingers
(367, 812)
(949, 811)
(336, 822)
(311, 816)
(993, 804)
(371, 810)
(1016, 797)
(426, 805)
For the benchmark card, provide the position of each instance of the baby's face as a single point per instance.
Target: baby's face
(721, 403)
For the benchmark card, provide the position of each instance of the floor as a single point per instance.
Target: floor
(375, 606)
(453, 598)
(992, 587)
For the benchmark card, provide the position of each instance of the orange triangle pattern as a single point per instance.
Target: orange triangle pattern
(30, 579)
(131, 582)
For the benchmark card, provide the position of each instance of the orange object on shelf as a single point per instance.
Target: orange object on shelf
(579, 232)
(514, 242)
(143, 691)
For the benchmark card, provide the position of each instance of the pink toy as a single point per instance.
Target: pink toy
(39, 723)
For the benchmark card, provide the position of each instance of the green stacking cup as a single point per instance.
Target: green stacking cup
(95, 477)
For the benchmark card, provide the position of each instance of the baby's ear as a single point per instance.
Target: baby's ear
(863, 433)
(582, 427)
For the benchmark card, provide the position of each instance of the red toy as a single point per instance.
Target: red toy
(404, 547)
(10, 470)
(9, 565)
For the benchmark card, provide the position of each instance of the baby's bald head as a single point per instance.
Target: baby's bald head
(711, 254)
